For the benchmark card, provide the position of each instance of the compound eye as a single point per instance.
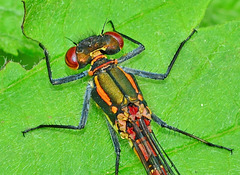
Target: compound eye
(117, 37)
(71, 58)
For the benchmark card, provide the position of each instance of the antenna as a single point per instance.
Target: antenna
(104, 26)
(71, 40)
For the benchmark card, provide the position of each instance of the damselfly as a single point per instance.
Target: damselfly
(115, 90)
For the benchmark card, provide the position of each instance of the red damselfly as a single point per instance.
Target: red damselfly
(115, 90)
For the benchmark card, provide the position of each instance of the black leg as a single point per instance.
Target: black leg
(144, 74)
(116, 146)
(165, 125)
(85, 109)
(157, 76)
(83, 119)
(134, 52)
(64, 79)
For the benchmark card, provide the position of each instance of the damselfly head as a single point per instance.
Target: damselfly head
(79, 56)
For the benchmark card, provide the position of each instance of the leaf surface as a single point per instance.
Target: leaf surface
(201, 95)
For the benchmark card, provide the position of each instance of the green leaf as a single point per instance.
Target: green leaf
(201, 95)
(220, 12)
(15, 46)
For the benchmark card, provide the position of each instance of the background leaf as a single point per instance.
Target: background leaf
(14, 46)
(219, 12)
(201, 95)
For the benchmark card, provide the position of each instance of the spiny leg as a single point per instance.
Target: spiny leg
(64, 79)
(157, 76)
(165, 125)
(116, 146)
(83, 119)
(132, 53)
